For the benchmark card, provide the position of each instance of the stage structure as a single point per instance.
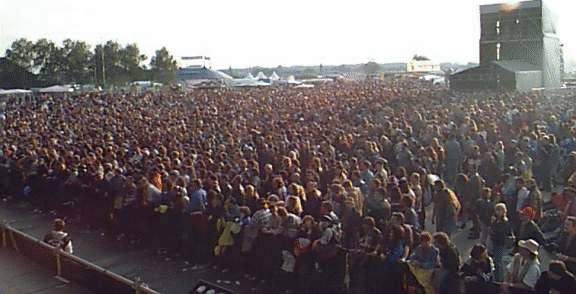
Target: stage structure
(519, 50)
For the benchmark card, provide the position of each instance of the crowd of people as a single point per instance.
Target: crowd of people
(324, 190)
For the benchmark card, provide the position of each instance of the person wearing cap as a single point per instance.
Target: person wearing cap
(523, 272)
(556, 280)
(329, 232)
(529, 229)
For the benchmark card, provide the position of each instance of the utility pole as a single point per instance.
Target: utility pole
(103, 68)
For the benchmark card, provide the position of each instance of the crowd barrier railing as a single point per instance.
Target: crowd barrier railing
(68, 267)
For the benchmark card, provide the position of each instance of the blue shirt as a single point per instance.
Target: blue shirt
(198, 201)
(395, 254)
(426, 258)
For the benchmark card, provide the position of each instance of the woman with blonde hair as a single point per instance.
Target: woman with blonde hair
(355, 194)
(501, 237)
(447, 211)
(279, 188)
(294, 205)
(298, 191)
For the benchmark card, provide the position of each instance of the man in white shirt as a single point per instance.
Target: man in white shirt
(58, 238)
(522, 195)
(523, 272)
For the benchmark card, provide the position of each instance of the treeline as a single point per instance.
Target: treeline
(76, 62)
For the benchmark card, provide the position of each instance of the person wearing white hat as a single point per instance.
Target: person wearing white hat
(523, 271)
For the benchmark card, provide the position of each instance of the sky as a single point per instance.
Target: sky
(246, 33)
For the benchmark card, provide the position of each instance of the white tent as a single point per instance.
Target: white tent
(435, 79)
(15, 92)
(249, 83)
(292, 81)
(305, 86)
(261, 76)
(249, 77)
(274, 76)
(57, 89)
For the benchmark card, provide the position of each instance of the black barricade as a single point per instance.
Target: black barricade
(33, 249)
(92, 277)
(68, 266)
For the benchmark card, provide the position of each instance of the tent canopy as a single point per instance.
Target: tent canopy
(15, 92)
(57, 89)
(274, 76)
(261, 76)
(305, 86)
(201, 74)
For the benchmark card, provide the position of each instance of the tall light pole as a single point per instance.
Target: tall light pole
(103, 67)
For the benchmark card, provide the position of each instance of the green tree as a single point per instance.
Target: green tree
(163, 66)
(107, 59)
(420, 57)
(77, 63)
(112, 62)
(48, 61)
(131, 63)
(21, 52)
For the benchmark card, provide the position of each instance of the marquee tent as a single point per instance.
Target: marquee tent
(274, 76)
(261, 76)
(57, 89)
(15, 92)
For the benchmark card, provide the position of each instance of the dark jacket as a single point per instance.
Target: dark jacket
(451, 284)
(500, 231)
(530, 230)
(566, 284)
(450, 259)
(485, 210)
(567, 247)
(483, 271)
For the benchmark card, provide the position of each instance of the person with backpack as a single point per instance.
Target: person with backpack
(58, 238)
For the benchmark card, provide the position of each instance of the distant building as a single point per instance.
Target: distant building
(422, 66)
(519, 50)
(193, 74)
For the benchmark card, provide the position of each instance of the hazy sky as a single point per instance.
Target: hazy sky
(246, 33)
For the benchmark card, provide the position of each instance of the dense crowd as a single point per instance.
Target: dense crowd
(325, 189)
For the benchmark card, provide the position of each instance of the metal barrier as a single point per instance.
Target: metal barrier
(70, 267)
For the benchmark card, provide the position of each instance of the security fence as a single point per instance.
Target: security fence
(69, 267)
